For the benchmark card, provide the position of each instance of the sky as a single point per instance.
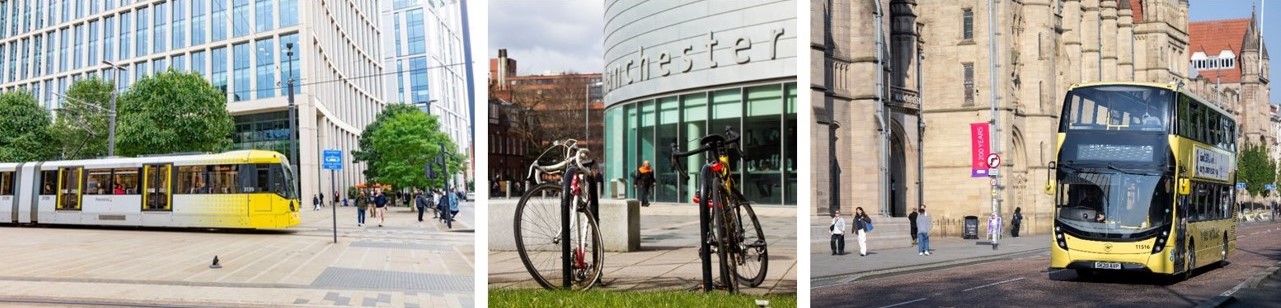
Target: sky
(567, 35)
(549, 36)
(1229, 9)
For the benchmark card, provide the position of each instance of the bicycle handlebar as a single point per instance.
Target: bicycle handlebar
(729, 130)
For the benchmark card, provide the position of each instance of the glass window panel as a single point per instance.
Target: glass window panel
(93, 44)
(159, 66)
(695, 106)
(109, 39)
(240, 18)
(790, 144)
(141, 45)
(762, 145)
(218, 58)
(614, 131)
(218, 21)
(198, 63)
(179, 63)
(667, 133)
(288, 13)
(266, 68)
(290, 64)
(179, 24)
(241, 71)
(126, 30)
(160, 29)
(263, 18)
(416, 31)
(198, 21)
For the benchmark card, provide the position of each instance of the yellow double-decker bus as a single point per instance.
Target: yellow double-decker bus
(1143, 180)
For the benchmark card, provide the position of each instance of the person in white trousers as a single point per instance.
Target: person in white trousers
(860, 227)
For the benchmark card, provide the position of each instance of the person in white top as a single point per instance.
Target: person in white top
(837, 229)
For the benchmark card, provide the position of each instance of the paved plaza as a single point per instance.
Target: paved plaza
(403, 264)
(668, 258)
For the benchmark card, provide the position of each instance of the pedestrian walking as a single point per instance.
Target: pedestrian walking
(837, 229)
(452, 204)
(315, 203)
(1016, 222)
(861, 224)
(361, 202)
(911, 221)
(380, 206)
(321, 201)
(644, 182)
(421, 201)
(335, 199)
(923, 225)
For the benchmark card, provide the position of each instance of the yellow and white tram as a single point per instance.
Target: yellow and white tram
(238, 190)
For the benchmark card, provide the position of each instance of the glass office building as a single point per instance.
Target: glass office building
(424, 49)
(674, 80)
(240, 46)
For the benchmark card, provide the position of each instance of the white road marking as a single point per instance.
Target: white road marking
(992, 284)
(905, 303)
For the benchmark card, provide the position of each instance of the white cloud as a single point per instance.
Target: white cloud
(555, 35)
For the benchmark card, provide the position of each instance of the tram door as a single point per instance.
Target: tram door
(69, 186)
(159, 188)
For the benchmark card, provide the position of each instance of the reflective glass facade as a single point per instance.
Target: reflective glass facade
(764, 115)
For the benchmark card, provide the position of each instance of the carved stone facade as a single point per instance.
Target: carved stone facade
(1044, 47)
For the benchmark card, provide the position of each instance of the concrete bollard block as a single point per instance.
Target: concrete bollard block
(620, 224)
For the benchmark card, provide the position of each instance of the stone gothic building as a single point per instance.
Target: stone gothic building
(867, 156)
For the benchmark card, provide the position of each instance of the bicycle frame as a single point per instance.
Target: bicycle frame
(572, 199)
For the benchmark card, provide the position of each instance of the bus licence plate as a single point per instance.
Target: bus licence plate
(1107, 265)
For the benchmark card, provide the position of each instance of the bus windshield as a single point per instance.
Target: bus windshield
(1118, 204)
(1117, 107)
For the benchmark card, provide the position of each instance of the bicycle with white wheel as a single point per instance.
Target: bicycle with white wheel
(540, 221)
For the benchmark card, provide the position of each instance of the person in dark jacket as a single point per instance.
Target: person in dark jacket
(1016, 222)
(644, 182)
(861, 220)
(911, 220)
(315, 203)
(380, 204)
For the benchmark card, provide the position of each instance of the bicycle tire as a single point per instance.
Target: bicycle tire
(540, 248)
(753, 249)
(589, 275)
(724, 239)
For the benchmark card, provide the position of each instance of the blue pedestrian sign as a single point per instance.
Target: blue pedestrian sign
(333, 160)
(1240, 185)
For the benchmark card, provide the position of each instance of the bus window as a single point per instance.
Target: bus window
(6, 183)
(1117, 107)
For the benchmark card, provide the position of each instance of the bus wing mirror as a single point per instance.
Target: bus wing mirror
(1051, 168)
(1185, 187)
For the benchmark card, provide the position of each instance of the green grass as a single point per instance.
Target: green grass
(595, 298)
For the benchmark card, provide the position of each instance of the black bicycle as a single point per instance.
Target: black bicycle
(735, 234)
(539, 224)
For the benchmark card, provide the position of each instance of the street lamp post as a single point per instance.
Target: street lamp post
(293, 116)
(111, 123)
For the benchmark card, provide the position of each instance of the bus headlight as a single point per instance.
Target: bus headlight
(1160, 242)
(1058, 237)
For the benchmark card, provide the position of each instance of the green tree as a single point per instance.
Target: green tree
(1256, 169)
(366, 151)
(173, 112)
(81, 128)
(24, 129)
(405, 143)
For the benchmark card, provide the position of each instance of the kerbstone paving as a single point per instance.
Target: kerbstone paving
(668, 258)
(404, 264)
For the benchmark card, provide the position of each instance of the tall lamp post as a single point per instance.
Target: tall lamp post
(111, 123)
(293, 117)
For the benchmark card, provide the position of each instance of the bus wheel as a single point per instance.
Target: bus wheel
(1223, 252)
(1191, 259)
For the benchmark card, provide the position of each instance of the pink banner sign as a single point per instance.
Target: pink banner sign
(979, 148)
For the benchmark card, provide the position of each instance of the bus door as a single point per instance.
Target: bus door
(159, 187)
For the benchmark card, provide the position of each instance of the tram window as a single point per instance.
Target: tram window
(127, 179)
(263, 176)
(224, 179)
(192, 180)
(99, 182)
(6, 183)
(49, 180)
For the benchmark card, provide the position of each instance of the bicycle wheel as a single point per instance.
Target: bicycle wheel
(588, 253)
(753, 252)
(724, 239)
(537, 230)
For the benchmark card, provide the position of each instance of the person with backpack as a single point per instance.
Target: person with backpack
(862, 224)
(1016, 222)
(361, 202)
(380, 206)
(837, 229)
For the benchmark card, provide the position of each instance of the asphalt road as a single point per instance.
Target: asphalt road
(1025, 282)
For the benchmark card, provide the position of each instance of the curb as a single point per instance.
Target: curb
(1252, 282)
(833, 280)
